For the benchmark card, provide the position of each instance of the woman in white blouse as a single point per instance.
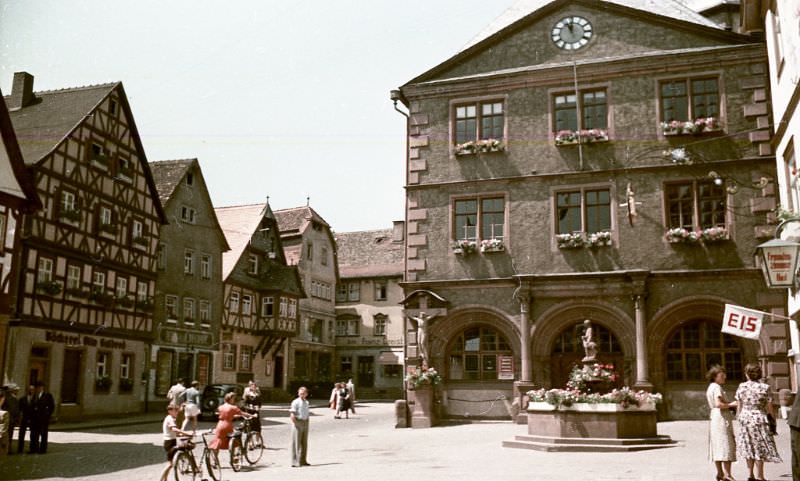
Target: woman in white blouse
(721, 446)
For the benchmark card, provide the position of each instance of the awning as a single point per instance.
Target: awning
(389, 357)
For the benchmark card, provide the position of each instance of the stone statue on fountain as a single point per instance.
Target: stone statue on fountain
(589, 346)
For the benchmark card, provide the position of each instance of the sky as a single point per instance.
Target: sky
(282, 99)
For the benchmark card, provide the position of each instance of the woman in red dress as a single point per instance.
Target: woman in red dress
(227, 413)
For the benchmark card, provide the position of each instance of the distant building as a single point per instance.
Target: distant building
(85, 294)
(17, 197)
(604, 160)
(308, 243)
(188, 307)
(369, 314)
(261, 299)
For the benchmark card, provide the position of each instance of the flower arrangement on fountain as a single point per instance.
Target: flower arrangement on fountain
(581, 377)
(422, 376)
(483, 145)
(464, 247)
(625, 397)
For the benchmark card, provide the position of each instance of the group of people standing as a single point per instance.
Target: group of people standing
(752, 411)
(30, 411)
(343, 399)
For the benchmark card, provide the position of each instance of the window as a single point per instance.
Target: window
(73, 277)
(490, 211)
(125, 366)
(45, 271)
(103, 364)
(479, 121)
(267, 306)
(593, 108)
(228, 357)
(104, 220)
(68, 202)
(99, 281)
(245, 358)
(346, 364)
(310, 251)
(316, 326)
(697, 346)
(122, 287)
(284, 307)
(341, 292)
(205, 266)
(161, 256)
(112, 107)
(189, 178)
(323, 256)
(137, 230)
(586, 210)
(188, 262)
(247, 305)
(171, 307)
(473, 355)
(684, 100)
(379, 328)
(205, 312)
(98, 154)
(341, 327)
(321, 290)
(793, 180)
(188, 310)
(141, 291)
(188, 214)
(233, 303)
(252, 264)
(353, 326)
(695, 205)
(292, 308)
(124, 167)
(353, 291)
(392, 370)
(380, 290)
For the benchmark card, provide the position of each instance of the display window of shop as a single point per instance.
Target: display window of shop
(392, 370)
(346, 364)
(473, 355)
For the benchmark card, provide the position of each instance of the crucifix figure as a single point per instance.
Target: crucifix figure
(422, 336)
(589, 346)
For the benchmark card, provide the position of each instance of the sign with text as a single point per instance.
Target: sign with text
(505, 367)
(742, 322)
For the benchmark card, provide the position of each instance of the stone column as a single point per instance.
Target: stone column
(525, 382)
(642, 374)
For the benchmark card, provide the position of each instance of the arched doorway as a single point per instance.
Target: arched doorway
(695, 346)
(567, 351)
(475, 353)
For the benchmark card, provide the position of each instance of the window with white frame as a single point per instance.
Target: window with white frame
(105, 216)
(171, 307)
(247, 305)
(379, 326)
(228, 356)
(252, 264)
(161, 256)
(245, 358)
(188, 310)
(205, 311)
(267, 306)
(141, 291)
(478, 121)
(341, 292)
(292, 308)
(284, 307)
(484, 215)
(381, 288)
(122, 287)
(126, 366)
(73, 277)
(98, 281)
(233, 302)
(341, 327)
(103, 364)
(353, 326)
(205, 266)
(353, 291)
(45, 271)
(137, 230)
(188, 262)
(68, 201)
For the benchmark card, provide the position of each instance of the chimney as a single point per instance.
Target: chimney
(21, 91)
(398, 231)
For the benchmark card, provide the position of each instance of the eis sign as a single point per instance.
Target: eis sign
(742, 322)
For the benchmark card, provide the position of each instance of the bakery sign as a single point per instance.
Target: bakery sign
(89, 341)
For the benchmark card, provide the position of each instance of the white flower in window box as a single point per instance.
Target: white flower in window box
(600, 239)
(714, 234)
(680, 235)
(566, 137)
(467, 148)
(464, 247)
(673, 127)
(491, 145)
(492, 245)
(574, 240)
(593, 135)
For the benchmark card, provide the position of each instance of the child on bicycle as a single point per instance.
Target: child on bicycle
(170, 430)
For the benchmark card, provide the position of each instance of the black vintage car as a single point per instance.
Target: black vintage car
(214, 396)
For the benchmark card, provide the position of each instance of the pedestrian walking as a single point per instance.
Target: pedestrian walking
(170, 431)
(721, 443)
(191, 407)
(794, 433)
(352, 389)
(343, 401)
(334, 400)
(252, 396)
(12, 406)
(754, 441)
(176, 396)
(298, 413)
(5, 421)
(43, 407)
(26, 416)
(227, 413)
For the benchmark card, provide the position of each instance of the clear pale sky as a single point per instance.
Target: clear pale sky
(279, 99)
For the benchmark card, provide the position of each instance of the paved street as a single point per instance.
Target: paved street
(367, 447)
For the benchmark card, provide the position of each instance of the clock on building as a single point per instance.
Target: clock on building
(571, 33)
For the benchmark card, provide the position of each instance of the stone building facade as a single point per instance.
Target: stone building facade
(369, 314)
(308, 243)
(86, 286)
(188, 307)
(577, 160)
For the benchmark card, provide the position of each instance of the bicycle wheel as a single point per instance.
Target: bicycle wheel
(235, 452)
(212, 465)
(183, 467)
(254, 447)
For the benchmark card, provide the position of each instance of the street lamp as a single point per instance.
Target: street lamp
(778, 257)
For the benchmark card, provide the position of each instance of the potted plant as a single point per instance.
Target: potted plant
(126, 384)
(423, 377)
(464, 247)
(51, 288)
(492, 245)
(102, 383)
(600, 239)
(570, 241)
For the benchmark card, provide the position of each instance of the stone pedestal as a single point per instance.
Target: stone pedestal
(520, 403)
(422, 416)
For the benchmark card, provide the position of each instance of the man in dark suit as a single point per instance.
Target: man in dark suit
(26, 416)
(43, 407)
(794, 430)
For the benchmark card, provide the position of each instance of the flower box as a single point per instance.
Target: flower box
(51, 288)
(570, 241)
(480, 146)
(108, 228)
(100, 160)
(139, 241)
(421, 378)
(103, 383)
(77, 292)
(125, 301)
(600, 239)
(688, 127)
(464, 247)
(714, 234)
(125, 384)
(71, 215)
(492, 245)
(100, 297)
(566, 137)
(144, 305)
(679, 235)
(602, 407)
(587, 136)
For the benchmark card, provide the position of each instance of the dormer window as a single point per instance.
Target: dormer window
(189, 179)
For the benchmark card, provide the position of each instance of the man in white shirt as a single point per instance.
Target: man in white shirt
(298, 412)
(191, 407)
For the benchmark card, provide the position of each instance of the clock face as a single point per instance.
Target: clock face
(571, 33)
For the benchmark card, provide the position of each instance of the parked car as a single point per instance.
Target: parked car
(213, 396)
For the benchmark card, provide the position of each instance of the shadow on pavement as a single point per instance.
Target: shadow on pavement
(79, 460)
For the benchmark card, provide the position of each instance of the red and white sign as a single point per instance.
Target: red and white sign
(742, 322)
(506, 367)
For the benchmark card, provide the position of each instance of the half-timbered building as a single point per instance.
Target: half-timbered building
(84, 309)
(17, 197)
(188, 306)
(261, 296)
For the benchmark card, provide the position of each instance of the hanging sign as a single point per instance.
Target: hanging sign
(742, 322)
(505, 367)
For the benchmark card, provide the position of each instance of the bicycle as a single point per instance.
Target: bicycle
(251, 448)
(185, 465)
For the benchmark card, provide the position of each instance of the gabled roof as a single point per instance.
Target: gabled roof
(239, 223)
(42, 125)
(17, 190)
(295, 220)
(369, 254)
